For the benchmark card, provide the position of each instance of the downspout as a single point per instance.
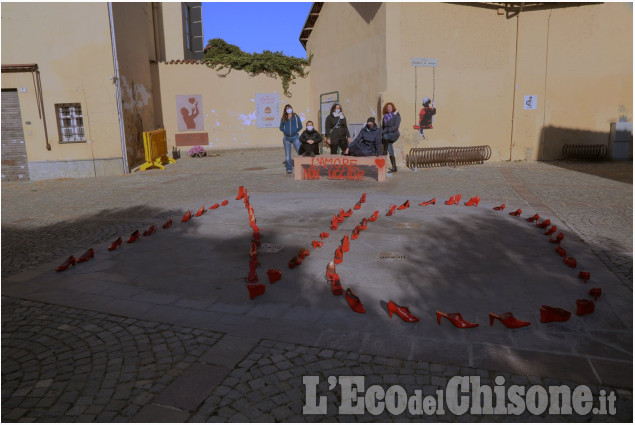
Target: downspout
(511, 137)
(115, 80)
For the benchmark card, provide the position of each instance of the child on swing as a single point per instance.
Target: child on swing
(425, 116)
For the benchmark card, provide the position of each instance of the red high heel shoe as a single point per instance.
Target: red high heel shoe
(500, 207)
(456, 319)
(213, 207)
(167, 224)
(404, 205)
(357, 206)
(341, 216)
(391, 211)
(345, 244)
(558, 238)
(70, 261)
(317, 244)
(253, 261)
(363, 198)
(274, 275)
(508, 320)
(355, 233)
(150, 230)
(334, 223)
(584, 275)
(584, 307)
(225, 202)
(553, 314)
(254, 249)
(374, 216)
(336, 286)
(432, 201)
(294, 262)
(330, 271)
(253, 276)
(363, 225)
(551, 231)
(256, 290)
(595, 293)
(354, 302)
(473, 201)
(303, 253)
(115, 244)
(241, 193)
(186, 217)
(451, 201)
(200, 211)
(457, 199)
(348, 213)
(339, 257)
(534, 217)
(324, 235)
(561, 252)
(90, 253)
(402, 312)
(516, 213)
(544, 224)
(571, 262)
(133, 237)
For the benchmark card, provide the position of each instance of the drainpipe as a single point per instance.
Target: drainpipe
(115, 80)
(511, 137)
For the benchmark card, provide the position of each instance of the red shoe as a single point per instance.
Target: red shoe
(404, 205)
(355, 233)
(256, 290)
(330, 271)
(373, 217)
(303, 253)
(241, 193)
(557, 239)
(391, 211)
(213, 207)
(570, 261)
(553, 314)
(363, 225)
(402, 312)
(225, 202)
(90, 253)
(544, 224)
(585, 307)
(457, 199)
(354, 302)
(584, 275)
(363, 198)
(551, 231)
(253, 262)
(534, 217)
(115, 244)
(200, 211)
(256, 236)
(595, 292)
(167, 224)
(324, 235)
(456, 319)
(150, 230)
(334, 223)
(339, 257)
(348, 213)
(336, 286)
(500, 207)
(508, 320)
(561, 252)
(357, 206)
(293, 262)
(274, 275)
(186, 217)
(473, 201)
(133, 237)
(317, 244)
(516, 213)
(432, 201)
(254, 249)
(70, 261)
(341, 216)
(451, 201)
(345, 244)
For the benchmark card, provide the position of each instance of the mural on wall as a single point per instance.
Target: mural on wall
(428, 110)
(188, 109)
(425, 115)
(267, 110)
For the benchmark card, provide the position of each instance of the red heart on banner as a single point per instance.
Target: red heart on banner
(380, 162)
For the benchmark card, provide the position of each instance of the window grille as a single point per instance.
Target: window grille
(70, 122)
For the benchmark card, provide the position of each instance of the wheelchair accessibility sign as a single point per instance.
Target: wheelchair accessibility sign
(531, 101)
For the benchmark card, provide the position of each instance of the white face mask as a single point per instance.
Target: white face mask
(309, 127)
(337, 112)
(289, 110)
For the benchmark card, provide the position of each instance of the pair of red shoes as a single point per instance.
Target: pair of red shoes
(454, 200)
(555, 314)
(317, 244)
(71, 261)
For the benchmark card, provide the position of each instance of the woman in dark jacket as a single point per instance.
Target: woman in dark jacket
(336, 130)
(390, 132)
(367, 142)
(290, 125)
(310, 140)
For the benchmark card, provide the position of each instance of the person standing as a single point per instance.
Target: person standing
(290, 125)
(390, 132)
(367, 142)
(310, 140)
(336, 130)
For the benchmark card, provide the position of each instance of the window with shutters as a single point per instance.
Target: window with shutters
(70, 122)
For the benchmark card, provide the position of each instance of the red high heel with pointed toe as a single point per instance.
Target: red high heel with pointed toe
(457, 199)
(336, 286)
(561, 251)
(225, 202)
(70, 261)
(432, 201)
(456, 319)
(293, 262)
(584, 307)
(87, 255)
(200, 211)
(551, 231)
(241, 193)
(324, 235)
(354, 302)
(357, 206)
(508, 320)
(363, 225)
(584, 275)
(391, 211)
(339, 257)
(334, 223)
(473, 201)
(553, 314)
(256, 290)
(544, 224)
(167, 224)
(558, 238)
(374, 216)
(133, 237)
(595, 293)
(404, 205)
(363, 198)
(348, 213)
(115, 244)
(303, 253)
(150, 230)
(213, 207)
(500, 207)
(317, 244)
(402, 312)
(451, 201)
(571, 262)
(516, 213)
(355, 233)
(534, 217)
(346, 245)
(253, 262)
(186, 217)
(274, 275)
(253, 276)
(341, 216)
(254, 249)
(330, 271)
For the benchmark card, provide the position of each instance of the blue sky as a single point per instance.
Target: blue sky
(255, 27)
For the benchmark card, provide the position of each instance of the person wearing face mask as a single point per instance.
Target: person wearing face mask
(290, 125)
(336, 130)
(367, 142)
(390, 132)
(310, 140)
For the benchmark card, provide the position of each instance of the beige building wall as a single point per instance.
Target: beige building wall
(228, 105)
(70, 42)
(173, 30)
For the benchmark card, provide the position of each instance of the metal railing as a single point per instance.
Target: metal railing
(445, 156)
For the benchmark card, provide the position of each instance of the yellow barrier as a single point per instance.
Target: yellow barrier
(155, 144)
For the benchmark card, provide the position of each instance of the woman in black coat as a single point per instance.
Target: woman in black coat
(310, 139)
(336, 130)
(390, 132)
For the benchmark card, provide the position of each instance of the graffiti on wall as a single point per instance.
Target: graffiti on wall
(188, 112)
